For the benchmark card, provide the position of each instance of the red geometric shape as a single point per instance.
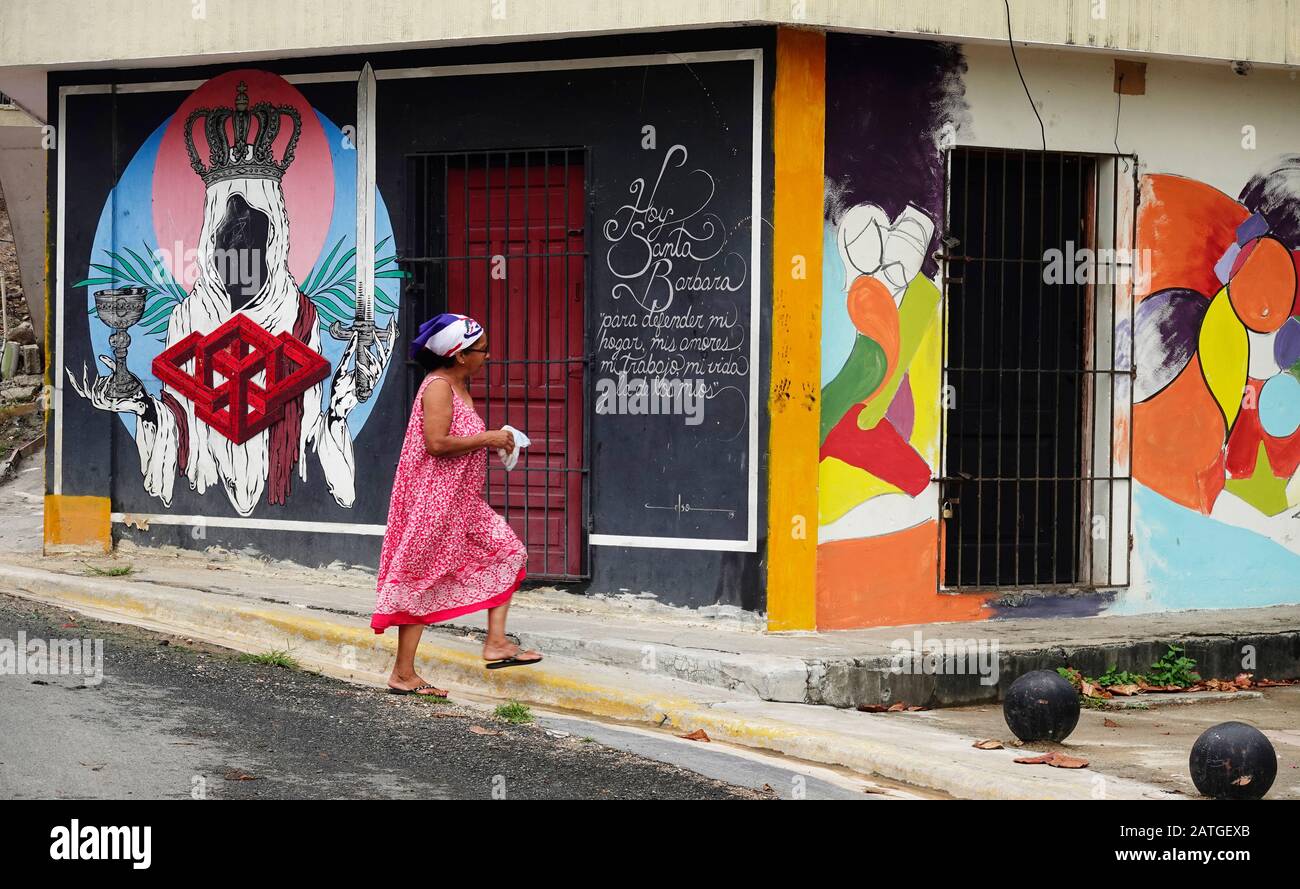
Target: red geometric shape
(238, 350)
(879, 450)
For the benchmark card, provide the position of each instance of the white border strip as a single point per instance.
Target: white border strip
(250, 524)
(743, 546)
(56, 327)
(667, 58)
(750, 544)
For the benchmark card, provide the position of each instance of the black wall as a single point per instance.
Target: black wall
(633, 459)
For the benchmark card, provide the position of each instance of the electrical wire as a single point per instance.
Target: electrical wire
(1010, 42)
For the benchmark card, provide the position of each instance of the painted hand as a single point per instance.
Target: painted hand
(96, 391)
(360, 370)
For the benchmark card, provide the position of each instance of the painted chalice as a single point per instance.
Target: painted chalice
(120, 309)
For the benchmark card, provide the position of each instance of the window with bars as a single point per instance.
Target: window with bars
(1037, 272)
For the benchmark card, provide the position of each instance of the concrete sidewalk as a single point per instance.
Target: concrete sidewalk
(728, 649)
(639, 662)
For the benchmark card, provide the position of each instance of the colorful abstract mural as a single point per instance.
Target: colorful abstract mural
(877, 555)
(222, 297)
(1216, 345)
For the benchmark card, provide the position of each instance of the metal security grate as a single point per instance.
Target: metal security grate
(1033, 388)
(500, 236)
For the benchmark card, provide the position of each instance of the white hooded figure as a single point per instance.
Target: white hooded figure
(243, 267)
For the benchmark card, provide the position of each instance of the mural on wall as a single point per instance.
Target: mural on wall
(222, 296)
(1216, 423)
(888, 102)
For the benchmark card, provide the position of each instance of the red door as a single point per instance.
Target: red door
(515, 263)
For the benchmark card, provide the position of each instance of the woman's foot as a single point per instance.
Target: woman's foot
(415, 681)
(500, 651)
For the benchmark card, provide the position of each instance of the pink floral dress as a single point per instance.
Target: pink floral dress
(445, 551)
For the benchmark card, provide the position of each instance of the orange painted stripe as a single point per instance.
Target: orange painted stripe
(799, 135)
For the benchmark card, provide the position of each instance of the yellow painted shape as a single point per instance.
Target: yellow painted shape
(799, 136)
(927, 399)
(844, 486)
(1224, 349)
(916, 315)
(78, 523)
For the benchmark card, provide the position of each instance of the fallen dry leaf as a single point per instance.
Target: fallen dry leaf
(239, 775)
(1055, 760)
(1061, 761)
(988, 744)
(1125, 690)
(1088, 690)
(897, 708)
(479, 730)
(872, 708)
(697, 735)
(914, 709)
(1110, 723)
(1244, 680)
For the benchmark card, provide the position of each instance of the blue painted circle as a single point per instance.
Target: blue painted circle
(1279, 405)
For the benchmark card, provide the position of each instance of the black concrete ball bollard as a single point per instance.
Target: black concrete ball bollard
(1041, 706)
(1233, 760)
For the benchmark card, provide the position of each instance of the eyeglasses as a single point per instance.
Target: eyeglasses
(463, 351)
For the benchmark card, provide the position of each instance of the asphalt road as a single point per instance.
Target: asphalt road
(178, 719)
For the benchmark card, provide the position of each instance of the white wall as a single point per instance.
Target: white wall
(1188, 123)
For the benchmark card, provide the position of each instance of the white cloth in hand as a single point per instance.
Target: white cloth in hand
(521, 441)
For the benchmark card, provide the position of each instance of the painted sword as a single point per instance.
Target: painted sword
(363, 324)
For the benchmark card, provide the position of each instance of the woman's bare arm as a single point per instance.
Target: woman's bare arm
(437, 423)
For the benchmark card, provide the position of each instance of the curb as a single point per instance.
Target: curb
(344, 651)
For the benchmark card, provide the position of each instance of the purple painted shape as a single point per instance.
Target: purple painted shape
(1166, 325)
(902, 410)
(1255, 226)
(886, 101)
(1274, 192)
(1223, 268)
(1286, 345)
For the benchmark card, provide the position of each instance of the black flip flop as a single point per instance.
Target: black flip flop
(513, 662)
(416, 690)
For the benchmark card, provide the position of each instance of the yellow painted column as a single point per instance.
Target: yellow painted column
(798, 132)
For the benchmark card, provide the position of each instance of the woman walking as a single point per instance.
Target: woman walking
(446, 553)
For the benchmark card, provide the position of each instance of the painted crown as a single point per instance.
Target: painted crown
(230, 153)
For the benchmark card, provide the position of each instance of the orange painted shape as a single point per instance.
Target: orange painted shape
(75, 523)
(1262, 290)
(891, 580)
(1186, 225)
(1178, 440)
(872, 309)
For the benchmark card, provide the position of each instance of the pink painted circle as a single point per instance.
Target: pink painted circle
(308, 183)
